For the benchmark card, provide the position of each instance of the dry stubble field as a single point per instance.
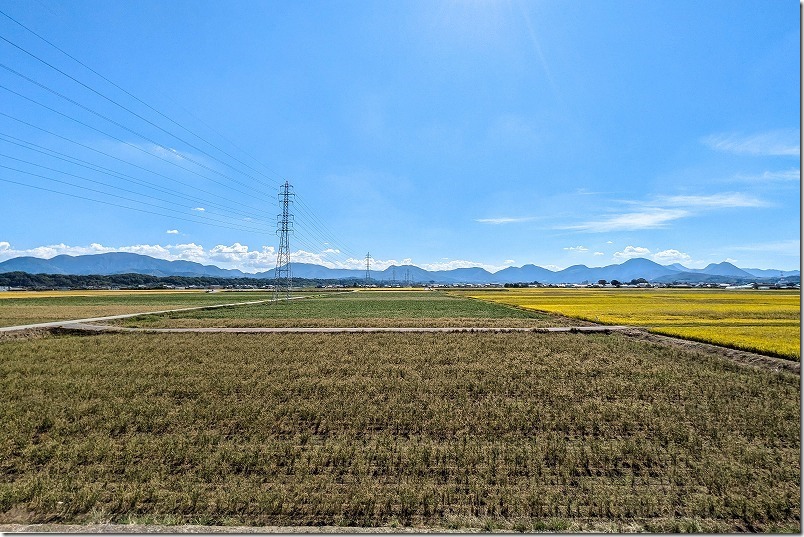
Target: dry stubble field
(519, 431)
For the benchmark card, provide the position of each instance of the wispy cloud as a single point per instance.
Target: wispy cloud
(793, 174)
(782, 142)
(661, 211)
(787, 247)
(577, 249)
(505, 220)
(172, 231)
(720, 201)
(650, 218)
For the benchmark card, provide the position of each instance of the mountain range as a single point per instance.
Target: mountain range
(125, 263)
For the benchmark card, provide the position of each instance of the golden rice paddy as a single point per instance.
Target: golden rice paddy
(761, 321)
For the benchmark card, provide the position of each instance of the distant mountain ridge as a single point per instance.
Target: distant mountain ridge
(125, 263)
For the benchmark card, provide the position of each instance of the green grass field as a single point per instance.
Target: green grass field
(361, 308)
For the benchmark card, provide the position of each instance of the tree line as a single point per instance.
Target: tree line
(133, 280)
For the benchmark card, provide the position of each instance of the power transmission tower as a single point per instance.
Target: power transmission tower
(368, 269)
(283, 278)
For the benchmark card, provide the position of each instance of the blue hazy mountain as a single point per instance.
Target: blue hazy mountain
(123, 263)
(114, 263)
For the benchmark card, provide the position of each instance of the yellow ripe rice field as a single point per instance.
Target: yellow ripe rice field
(768, 322)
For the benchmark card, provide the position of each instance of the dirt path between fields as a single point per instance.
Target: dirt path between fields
(57, 324)
(92, 327)
(753, 359)
(156, 528)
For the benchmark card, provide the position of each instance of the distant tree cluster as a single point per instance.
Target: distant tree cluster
(518, 285)
(133, 281)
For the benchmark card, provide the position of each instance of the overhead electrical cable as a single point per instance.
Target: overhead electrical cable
(139, 100)
(104, 184)
(121, 140)
(118, 124)
(95, 167)
(317, 229)
(120, 106)
(203, 221)
(66, 139)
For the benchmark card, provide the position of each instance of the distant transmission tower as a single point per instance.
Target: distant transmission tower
(283, 279)
(368, 268)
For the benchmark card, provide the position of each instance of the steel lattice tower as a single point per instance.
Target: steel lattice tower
(283, 278)
(368, 269)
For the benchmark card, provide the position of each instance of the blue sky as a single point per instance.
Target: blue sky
(440, 133)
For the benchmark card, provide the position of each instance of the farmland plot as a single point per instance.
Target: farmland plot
(360, 309)
(22, 308)
(514, 431)
(767, 322)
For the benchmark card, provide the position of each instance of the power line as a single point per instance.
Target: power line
(94, 181)
(121, 140)
(118, 124)
(140, 100)
(317, 229)
(116, 104)
(107, 171)
(121, 206)
(66, 139)
(242, 228)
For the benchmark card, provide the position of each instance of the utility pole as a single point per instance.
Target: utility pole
(283, 279)
(368, 269)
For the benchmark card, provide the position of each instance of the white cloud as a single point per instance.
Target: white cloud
(793, 174)
(577, 249)
(660, 211)
(721, 201)
(505, 220)
(631, 252)
(200, 209)
(598, 253)
(172, 231)
(663, 257)
(651, 218)
(782, 142)
(234, 256)
(668, 257)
